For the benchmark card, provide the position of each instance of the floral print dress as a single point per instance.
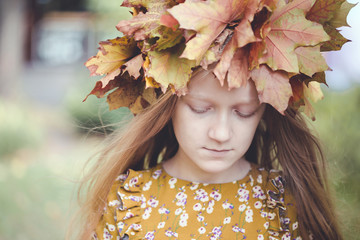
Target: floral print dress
(151, 204)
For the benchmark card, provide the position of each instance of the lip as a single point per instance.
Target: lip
(216, 153)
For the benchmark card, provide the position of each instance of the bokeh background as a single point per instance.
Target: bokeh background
(47, 132)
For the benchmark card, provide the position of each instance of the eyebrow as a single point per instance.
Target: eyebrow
(209, 99)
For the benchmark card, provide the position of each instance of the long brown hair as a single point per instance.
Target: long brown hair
(281, 141)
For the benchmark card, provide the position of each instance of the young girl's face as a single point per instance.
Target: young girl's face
(214, 126)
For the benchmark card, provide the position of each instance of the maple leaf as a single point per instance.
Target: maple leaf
(208, 19)
(339, 19)
(336, 39)
(113, 53)
(310, 60)
(101, 89)
(168, 69)
(239, 72)
(323, 10)
(288, 29)
(134, 65)
(273, 87)
(311, 92)
(147, 26)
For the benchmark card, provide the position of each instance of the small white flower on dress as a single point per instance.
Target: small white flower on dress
(197, 207)
(161, 225)
(298, 238)
(111, 227)
(122, 177)
(227, 205)
(259, 178)
(263, 214)
(249, 218)
(216, 232)
(200, 218)
(243, 195)
(147, 186)
(114, 203)
(106, 234)
(178, 211)
(136, 226)
(258, 205)
(133, 181)
(148, 210)
(153, 202)
(249, 212)
(258, 193)
(184, 216)
(194, 186)
(211, 203)
(146, 215)
(170, 233)
(163, 210)
(227, 220)
(237, 229)
(172, 181)
(242, 207)
(295, 225)
(286, 236)
(120, 226)
(202, 230)
(180, 195)
(157, 174)
(128, 215)
(266, 225)
(251, 180)
(260, 236)
(215, 195)
(271, 216)
(150, 235)
(183, 223)
(209, 210)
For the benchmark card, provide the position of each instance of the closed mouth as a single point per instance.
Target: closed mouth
(218, 150)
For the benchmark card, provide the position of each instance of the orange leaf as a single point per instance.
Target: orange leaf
(113, 53)
(311, 60)
(195, 15)
(288, 30)
(323, 10)
(168, 69)
(273, 87)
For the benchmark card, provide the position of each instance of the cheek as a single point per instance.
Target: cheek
(187, 129)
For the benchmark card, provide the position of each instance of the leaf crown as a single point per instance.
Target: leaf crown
(276, 43)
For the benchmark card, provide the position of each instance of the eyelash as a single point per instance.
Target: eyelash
(238, 113)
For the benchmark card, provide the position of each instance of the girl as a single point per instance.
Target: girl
(201, 164)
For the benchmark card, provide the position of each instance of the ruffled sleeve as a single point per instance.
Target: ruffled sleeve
(281, 209)
(121, 217)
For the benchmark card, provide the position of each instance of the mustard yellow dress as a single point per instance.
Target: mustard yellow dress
(151, 204)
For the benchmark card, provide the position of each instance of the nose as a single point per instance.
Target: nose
(220, 129)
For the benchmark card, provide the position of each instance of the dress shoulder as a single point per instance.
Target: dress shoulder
(280, 205)
(121, 216)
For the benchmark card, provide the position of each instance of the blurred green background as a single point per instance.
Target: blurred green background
(47, 132)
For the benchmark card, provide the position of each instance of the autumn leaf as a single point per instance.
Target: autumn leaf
(311, 92)
(273, 87)
(339, 19)
(147, 26)
(239, 71)
(101, 89)
(324, 10)
(168, 69)
(287, 30)
(113, 53)
(208, 19)
(134, 65)
(125, 95)
(336, 39)
(311, 60)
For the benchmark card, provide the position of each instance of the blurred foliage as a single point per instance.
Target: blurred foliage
(18, 128)
(337, 123)
(93, 115)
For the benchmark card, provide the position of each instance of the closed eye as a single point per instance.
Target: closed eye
(244, 115)
(199, 110)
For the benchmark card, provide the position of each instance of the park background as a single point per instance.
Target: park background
(47, 132)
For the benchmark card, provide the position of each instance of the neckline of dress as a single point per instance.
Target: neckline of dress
(246, 178)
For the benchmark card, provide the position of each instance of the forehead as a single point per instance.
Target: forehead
(206, 86)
